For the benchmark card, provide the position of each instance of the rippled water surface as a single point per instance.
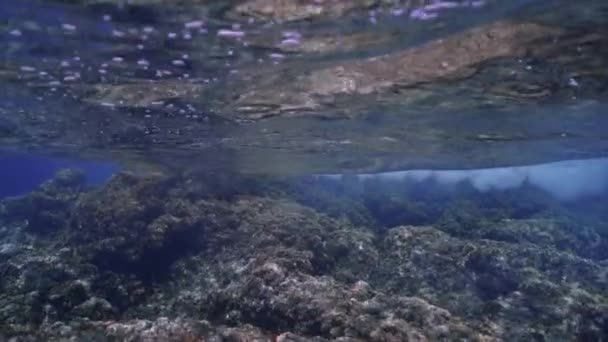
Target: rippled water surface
(300, 89)
(303, 170)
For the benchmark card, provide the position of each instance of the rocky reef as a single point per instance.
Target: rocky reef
(199, 258)
(233, 90)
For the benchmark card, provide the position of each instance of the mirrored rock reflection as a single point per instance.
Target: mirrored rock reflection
(566, 180)
(306, 85)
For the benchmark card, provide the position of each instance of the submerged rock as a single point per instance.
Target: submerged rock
(272, 296)
(156, 257)
(136, 225)
(502, 284)
(46, 209)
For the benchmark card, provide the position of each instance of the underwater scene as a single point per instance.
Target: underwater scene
(303, 170)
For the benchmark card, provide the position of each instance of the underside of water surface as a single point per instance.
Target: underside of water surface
(302, 87)
(303, 170)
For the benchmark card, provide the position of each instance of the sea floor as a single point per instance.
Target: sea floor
(203, 257)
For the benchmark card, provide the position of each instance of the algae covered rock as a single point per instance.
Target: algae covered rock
(485, 279)
(137, 225)
(155, 257)
(273, 296)
(296, 87)
(48, 208)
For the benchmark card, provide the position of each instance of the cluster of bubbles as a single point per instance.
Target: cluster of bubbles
(102, 50)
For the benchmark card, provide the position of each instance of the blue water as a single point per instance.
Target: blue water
(21, 172)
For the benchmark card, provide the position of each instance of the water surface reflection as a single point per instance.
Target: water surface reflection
(566, 180)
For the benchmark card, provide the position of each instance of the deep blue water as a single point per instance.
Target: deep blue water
(21, 173)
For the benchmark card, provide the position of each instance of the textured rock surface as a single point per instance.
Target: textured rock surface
(491, 280)
(156, 258)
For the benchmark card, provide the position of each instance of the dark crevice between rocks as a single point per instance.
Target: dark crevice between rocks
(154, 265)
(36, 311)
(224, 311)
(489, 281)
